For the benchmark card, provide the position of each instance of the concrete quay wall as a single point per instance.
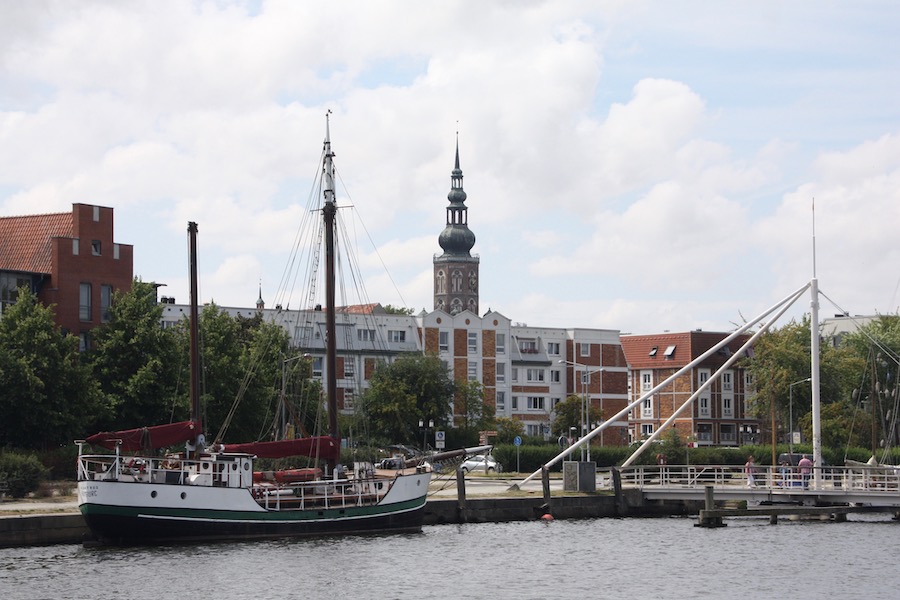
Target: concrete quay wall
(69, 528)
(42, 530)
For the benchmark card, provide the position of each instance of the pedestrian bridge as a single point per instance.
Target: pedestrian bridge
(874, 486)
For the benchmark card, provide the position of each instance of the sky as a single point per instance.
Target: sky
(635, 166)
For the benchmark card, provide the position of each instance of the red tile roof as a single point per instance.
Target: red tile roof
(25, 242)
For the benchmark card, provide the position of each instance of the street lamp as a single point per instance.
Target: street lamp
(585, 403)
(791, 412)
(422, 426)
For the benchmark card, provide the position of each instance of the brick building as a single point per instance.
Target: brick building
(70, 260)
(719, 416)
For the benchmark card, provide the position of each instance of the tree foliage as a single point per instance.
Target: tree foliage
(569, 415)
(471, 409)
(47, 395)
(141, 367)
(412, 388)
(781, 357)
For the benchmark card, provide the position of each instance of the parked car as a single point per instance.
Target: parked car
(481, 464)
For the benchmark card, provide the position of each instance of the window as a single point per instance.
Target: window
(704, 432)
(584, 349)
(317, 366)
(726, 381)
(704, 406)
(106, 293)
(84, 341)
(473, 342)
(728, 433)
(95, 247)
(528, 346)
(534, 375)
(554, 402)
(116, 251)
(585, 378)
(456, 282)
(396, 336)
(365, 335)
(348, 399)
(646, 381)
(84, 302)
(515, 403)
(534, 429)
(670, 352)
(555, 376)
(653, 351)
(96, 213)
(440, 283)
(647, 408)
(515, 374)
(727, 407)
(444, 341)
(349, 367)
(501, 401)
(472, 371)
(535, 403)
(501, 372)
(646, 430)
(501, 343)
(75, 247)
(553, 348)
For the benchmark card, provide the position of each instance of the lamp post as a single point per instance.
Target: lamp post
(585, 403)
(425, 427)
(791, 412)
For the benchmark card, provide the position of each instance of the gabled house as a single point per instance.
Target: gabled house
(719, 416)
(70, 260)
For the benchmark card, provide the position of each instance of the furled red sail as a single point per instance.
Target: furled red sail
(322, 447)
(146, 438)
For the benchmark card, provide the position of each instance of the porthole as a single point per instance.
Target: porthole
(234, 466)
(206, 465)
(153, 494)
(246, 466)
(183, 495)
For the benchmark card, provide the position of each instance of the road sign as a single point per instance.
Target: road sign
(517, 441)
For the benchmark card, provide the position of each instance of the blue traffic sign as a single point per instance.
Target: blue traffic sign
(517, 441)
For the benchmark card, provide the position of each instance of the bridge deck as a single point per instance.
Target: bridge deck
(875, 486)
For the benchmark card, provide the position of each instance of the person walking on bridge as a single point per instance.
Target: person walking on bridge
(750, 471)
(805, 469)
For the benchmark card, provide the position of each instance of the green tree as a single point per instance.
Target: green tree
(568, 415)
(397, 310)
(877, 344)
(240, 376)
(834, 419)
(48, 397)
(138, 364)
(412, 388)
(508, 429)
(472, 411)
(782, 357)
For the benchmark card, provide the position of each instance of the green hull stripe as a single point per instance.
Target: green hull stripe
(283, 516)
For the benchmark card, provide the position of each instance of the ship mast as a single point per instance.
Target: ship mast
(329, 211)
(195, 338)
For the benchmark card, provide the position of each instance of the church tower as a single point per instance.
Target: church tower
(456, 270)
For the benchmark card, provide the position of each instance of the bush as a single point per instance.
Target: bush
(23, 473)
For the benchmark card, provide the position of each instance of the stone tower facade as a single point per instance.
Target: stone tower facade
(456, 270)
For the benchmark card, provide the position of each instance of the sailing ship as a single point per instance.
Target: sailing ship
(136, 496)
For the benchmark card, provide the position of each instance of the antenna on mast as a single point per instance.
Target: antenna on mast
(814, 236)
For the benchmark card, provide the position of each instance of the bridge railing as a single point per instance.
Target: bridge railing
(875, 479)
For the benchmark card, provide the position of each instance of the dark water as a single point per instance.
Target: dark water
(602, 558)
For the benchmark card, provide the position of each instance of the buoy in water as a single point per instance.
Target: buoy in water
(547, 517)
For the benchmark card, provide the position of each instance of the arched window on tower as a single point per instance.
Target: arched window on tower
(440, 283)
(456, 282)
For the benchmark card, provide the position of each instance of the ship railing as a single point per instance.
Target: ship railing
(331, 493)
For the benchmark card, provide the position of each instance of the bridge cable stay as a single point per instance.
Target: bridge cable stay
(790, 299)
(706, 385)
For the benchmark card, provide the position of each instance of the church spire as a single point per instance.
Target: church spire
(456, 270)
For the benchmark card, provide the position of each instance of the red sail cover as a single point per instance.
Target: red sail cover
(322, 447)
(146, 438)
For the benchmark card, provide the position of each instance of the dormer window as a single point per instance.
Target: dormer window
(653, 351)
(670, 352)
